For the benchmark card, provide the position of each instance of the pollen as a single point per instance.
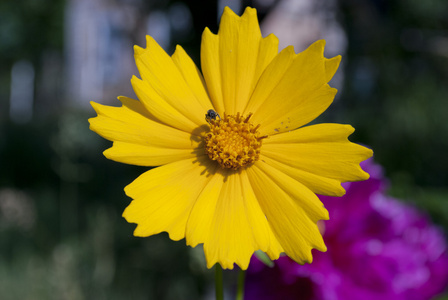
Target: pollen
(233, 141)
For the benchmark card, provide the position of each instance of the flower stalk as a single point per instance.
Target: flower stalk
(219, 291)
(240, 286)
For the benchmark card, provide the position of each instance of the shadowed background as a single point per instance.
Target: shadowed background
(61, 231)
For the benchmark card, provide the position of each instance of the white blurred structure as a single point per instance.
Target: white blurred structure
(302, 22)
(100, 37)
(99, 53)
(22, 92)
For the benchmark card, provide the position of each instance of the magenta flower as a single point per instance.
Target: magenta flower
(378, 248)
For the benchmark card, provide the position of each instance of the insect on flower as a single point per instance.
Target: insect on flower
(211, 115)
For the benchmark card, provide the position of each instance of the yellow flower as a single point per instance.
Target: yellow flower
(243, 176)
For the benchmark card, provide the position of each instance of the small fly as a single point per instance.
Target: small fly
(211, 115)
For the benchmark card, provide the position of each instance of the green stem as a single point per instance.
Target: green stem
(240, 287)
(218, 282)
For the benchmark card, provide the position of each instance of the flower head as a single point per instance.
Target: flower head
(245, 176)
(385, 250)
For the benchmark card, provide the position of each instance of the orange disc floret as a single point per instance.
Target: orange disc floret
(233, 141)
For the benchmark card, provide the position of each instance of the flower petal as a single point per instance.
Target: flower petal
(233, 60)
(321, 149)
(143, 155)
(132, 123)
(303, 196)
(192, 76)
(210, 68)
(292, 226)
(319, 133)
(318, 184)
(293, 90)
(165, 83)
(260, 225)
(164, 196)
(159, 108)
(331, 66)
(270, 78)
(229, 221)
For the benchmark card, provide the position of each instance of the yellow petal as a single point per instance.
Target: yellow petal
(267, 52)
(312, 134)
(324, 132)
(297, 115)
(228, 220)
(192, 76)
(321, 149)
(167, 82)
(262, 230)
(143, 155)
(233, 60)
(201, 217)
(271, 77)
(318, 184)
(164, 196)
(230, 235)
(158, 107)
(131, 123)
(292, 226)
(210, 68)
(293, 90)
(304, 197)
(331, 66)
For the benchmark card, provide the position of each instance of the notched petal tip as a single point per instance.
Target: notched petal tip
(337, 193)
(138, 50)
(208, 32)
(366, 175)
(138, 233)
(271, 38)
(135, 78)
(331, 66)
(325, 215)
(208, 37)
(336, 60)
(250, 10)
(125, 100)
(107, 154)
(128, 217)
(98, 107)
(127, 193)
(367, 153)
(179, 49)
(323, 248)
(175, 236)
(150, 41)
(228, 16)
(307, 259)
(317, 46)
(229, 11)
(350, 129)
(289, 51)
(93, 103)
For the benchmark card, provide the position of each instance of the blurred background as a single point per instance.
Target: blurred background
(61, 231)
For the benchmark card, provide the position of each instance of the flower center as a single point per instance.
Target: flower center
(233, 141)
